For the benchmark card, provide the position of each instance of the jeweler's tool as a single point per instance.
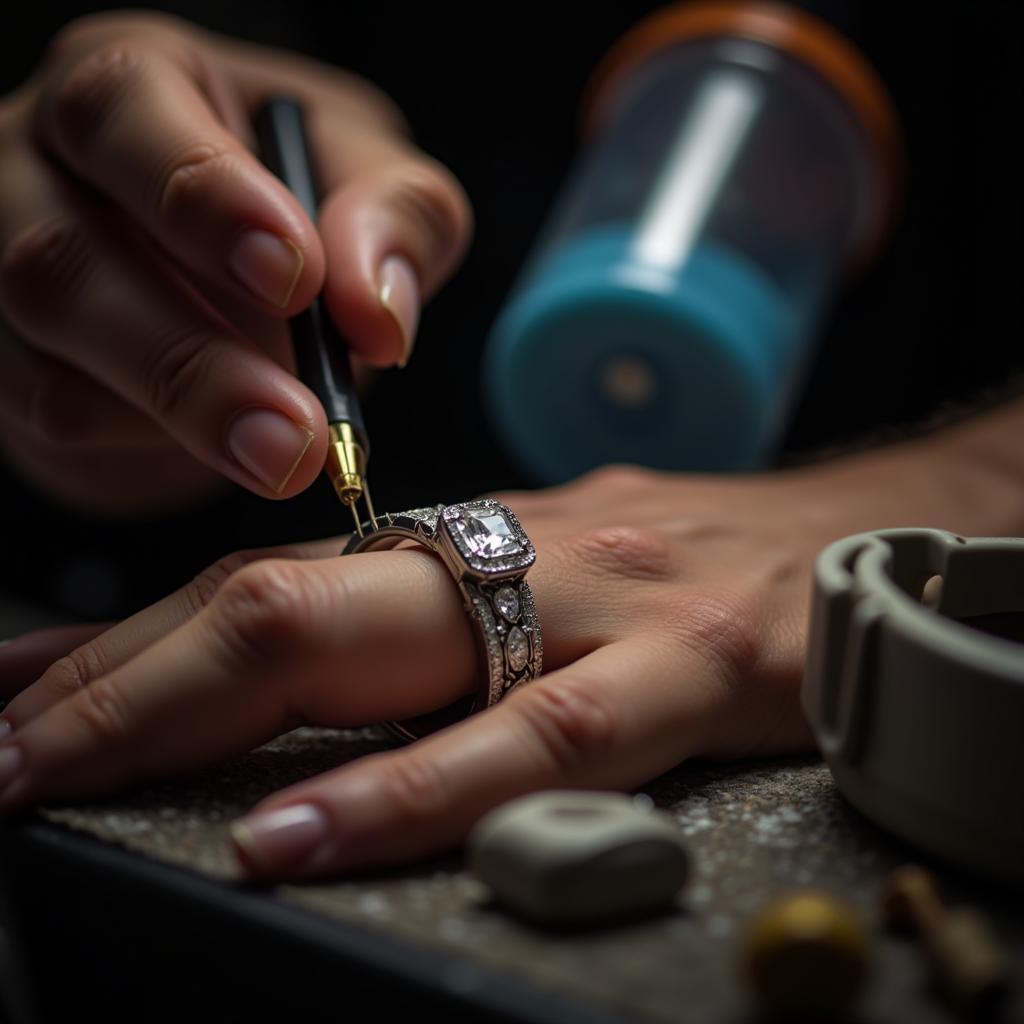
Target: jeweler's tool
(321, 354)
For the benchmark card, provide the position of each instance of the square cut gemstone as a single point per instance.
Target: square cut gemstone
(486, 533)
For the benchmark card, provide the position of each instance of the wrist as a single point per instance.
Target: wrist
(981, 463)
(967, 478)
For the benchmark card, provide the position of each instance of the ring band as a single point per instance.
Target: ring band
(488, 554)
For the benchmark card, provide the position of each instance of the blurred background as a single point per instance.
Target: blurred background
(495, 96)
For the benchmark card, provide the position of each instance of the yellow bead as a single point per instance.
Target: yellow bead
(806, 957)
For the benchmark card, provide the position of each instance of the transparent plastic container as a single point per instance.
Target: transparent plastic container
(741, 158)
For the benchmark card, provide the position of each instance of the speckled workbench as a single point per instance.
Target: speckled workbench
(754, 830)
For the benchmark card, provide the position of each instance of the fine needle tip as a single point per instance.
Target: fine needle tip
(355, 517)
(352, 500)
(369, 503)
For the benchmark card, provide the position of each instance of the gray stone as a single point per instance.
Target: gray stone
(566, 857)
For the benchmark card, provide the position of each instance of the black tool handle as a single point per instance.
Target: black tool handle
(321, 354)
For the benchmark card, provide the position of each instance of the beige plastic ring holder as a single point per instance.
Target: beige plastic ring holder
(921, 716)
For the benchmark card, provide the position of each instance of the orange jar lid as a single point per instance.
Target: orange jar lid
(818, 46)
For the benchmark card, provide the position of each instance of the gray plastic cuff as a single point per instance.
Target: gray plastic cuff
(919, 716)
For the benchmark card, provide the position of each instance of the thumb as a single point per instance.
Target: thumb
(392, 235)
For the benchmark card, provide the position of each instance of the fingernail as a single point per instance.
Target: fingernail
(400, 296)
(278, 839)
(11, 759)
(5, 729)
(268, 445)
(267, 265)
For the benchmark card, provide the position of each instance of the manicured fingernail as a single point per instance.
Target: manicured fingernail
(5, 729)
(267, 265)
(400, 296)
(11, 759)
(278, 839)
(268, 445)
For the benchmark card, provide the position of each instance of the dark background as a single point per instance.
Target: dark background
(493, 92)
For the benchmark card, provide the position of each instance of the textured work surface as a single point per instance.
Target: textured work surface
(754, 830)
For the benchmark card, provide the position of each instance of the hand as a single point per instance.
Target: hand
(673, 610)
(148, 261)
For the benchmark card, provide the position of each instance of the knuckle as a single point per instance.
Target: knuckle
(75, 671)
(102, 708)
(616, 477)
(159, 24)
(175, 371)
(414, 788)
(85, 30)
(432, 197)
(264, 611)
(204, 587)
(571, 724)
(720, 626)
(190, 177)
(48, 258)
(628, 551)
(73, 36)
(89, 93)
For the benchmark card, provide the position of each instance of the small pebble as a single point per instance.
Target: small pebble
(566, 857)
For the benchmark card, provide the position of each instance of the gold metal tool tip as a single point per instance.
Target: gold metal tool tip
(353, 504)
(346, 466)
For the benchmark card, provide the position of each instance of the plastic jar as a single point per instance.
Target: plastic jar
(740, 158)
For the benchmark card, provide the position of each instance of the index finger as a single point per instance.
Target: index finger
(280, 643)
(612, 720)
(126, 107)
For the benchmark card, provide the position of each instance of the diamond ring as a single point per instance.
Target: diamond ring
(488, 554)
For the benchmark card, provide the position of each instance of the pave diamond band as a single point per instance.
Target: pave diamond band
(488, 554)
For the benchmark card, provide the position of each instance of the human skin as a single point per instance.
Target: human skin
(674, 611)
(674, 607)
(149, 262)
